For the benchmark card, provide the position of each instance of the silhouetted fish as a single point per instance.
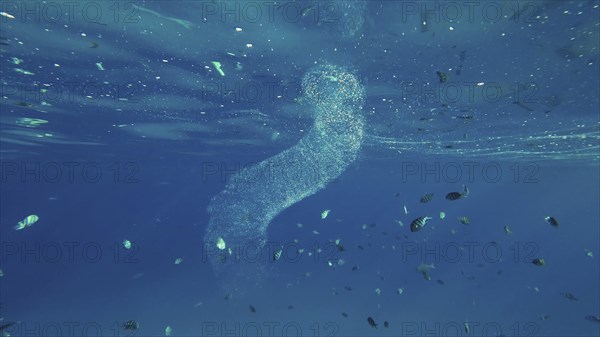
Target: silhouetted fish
(130, 325)
(426, 198)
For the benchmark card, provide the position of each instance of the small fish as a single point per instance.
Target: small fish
(252, 308)
(348, 288)
(442, 76)
(307, 10)
(6, 326)
(130, 325)
(458, 195)
(419, 223)
(27, 222)
(24, 104)
(453, 196)
(552, 221)
(538, 262)
(345, 314)
(593, 318)
(426, 198)
(277, 253)
(440, 282)
(94, 45)
(463, 220)
(463, 117)
(424, 269)
(507, 230)
(371, 322)
(339, 245)
(570, 297)
(386, 324)
(7, 15)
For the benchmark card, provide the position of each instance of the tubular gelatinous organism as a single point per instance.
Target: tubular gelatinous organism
(241, 213)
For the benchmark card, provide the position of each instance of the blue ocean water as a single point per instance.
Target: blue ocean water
(242, 168)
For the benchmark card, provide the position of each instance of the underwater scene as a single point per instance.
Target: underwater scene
(299, 168)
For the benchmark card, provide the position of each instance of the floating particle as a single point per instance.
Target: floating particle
(137, 276)
(588, 253)
(378, 291)
(217, 66)
(442, 215)
(27, 222)
(463, 220)
(371, 322)
(178, 260)
(238, 29)
(507, 230)
(386, 324)
(399, 291)
(418, 223)
(99, 66)
(299, 225)
(467, 328)
(127, 244)
(405, 210)
(1, 273)
(315, 232)
(325, 213)
(252, 308)
(16, 60)
(168, 331)
(426, 198)
(345, 314)
(552, 221)
(249, 45)
(220, 243)
(592, 318)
